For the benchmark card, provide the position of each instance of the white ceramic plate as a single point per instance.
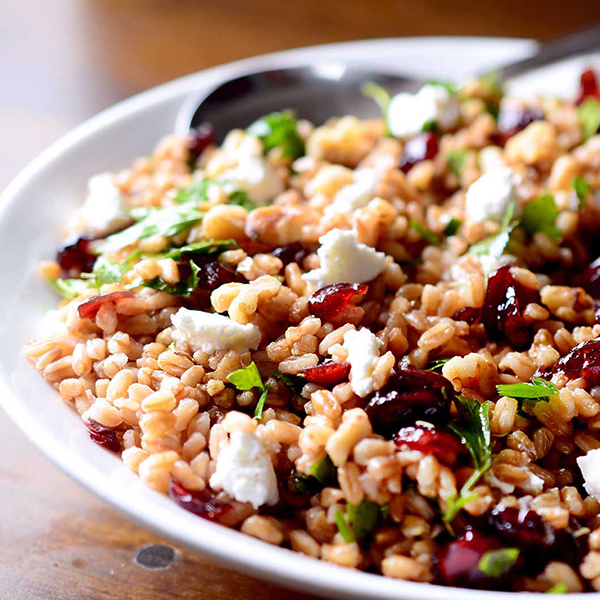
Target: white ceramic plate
(42, 197)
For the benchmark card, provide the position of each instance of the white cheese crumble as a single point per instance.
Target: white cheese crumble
(533, 484)
(254, 175)
(590, 469)
(363, 348)
(408, 114)
(491, 194)
(102, 211)
(345, 260)
(491, 479)
(355, 195)
(245, 471)
(210, 332)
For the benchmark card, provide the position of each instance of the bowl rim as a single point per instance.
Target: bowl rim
(250, 555)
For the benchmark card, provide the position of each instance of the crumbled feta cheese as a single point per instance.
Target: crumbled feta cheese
(345, 260)
(245, 471)
(408, 114)
(210, 332)
(253, 174)
(533, 484)
(363, 348)
(102, 211)
(490, 195)
(491, 479)
(590, 469)
(355, 195)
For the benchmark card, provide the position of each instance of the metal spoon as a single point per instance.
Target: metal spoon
(320, 91)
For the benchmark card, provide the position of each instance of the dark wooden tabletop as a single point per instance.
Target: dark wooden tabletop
(60, 62)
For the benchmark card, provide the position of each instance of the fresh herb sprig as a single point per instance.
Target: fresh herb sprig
(279, 130)
(247, 378)
(496, 563)
(538, 388)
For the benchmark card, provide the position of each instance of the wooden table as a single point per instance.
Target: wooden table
(60, 62)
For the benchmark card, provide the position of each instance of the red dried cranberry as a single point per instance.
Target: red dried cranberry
(468, 314)
(199, 139)
(457, 564)
(291, 253)
(410, 395)
(522, 528)
(331, 300)
(202, 503)
(215, 274)
(429, 440)
(327, 374)
(103, 436)
(418, 149)
(581, 361)
(76, 255)
(89, 309)
(590, 279)
(505, 301)
(513, 119)
(589, 86)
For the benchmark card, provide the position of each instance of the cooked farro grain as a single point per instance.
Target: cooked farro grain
(469, 262)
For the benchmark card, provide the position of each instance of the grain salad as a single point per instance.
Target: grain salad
(374, 342)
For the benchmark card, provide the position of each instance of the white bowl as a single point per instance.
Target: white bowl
(41, 199)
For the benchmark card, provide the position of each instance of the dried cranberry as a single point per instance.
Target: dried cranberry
(590, 279)
(505, 301)
(589, 86)
(581, 361)
(76, 254)
(103, 436)
(522, 528)
(202, 503)
(331, 300)
(468, 314)
(418, 149)
(291, 253)
(513, 119)
(457, 564)
(199, 139)
(89, 309)
(572, 543)
(430, 440)
(215, 274)
(327, 374)
(410, 395)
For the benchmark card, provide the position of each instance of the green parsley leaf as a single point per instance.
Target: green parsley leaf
(324, 471)
(363, 518)
(305, 484)
(495, 245)
(588, 113)
(294, 383)
(260, 405)
(106, 271)
(279, 130)
(582, 189)
(183, 289)
(456, 159)
(559, 588)
(381, 96)
(341, 521)
(492, 82)
(452, 227)
(428, 235)
(194, 193)
(540, 215)
(496, 563)
(165, 222)
(538, 388)
(240, 198)
(70, 288)
(246, 378)
(203, 247)
(434, 365)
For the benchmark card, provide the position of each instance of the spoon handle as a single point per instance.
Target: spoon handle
(556, 50)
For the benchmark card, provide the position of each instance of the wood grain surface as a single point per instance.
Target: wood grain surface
(60, 62)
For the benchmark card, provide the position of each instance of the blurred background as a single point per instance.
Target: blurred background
(61, 61)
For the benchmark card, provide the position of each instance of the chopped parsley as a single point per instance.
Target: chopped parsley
(294, 383)
(582, 189)
(475, 433)
(540, 215)
(496, 563)
(247, 378)
(324, 471)
(434, 365)
(588, 113)
(428, 235)
(538, 388)
(203, 247)
(559, 588)
(381, 96)
(240, 198)
(452, 227)
(279, 130)
(197, 192)
(69, 288)
(456, 160)
(495, 245)
(183, 288)
(341, 521)
(363, 518)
